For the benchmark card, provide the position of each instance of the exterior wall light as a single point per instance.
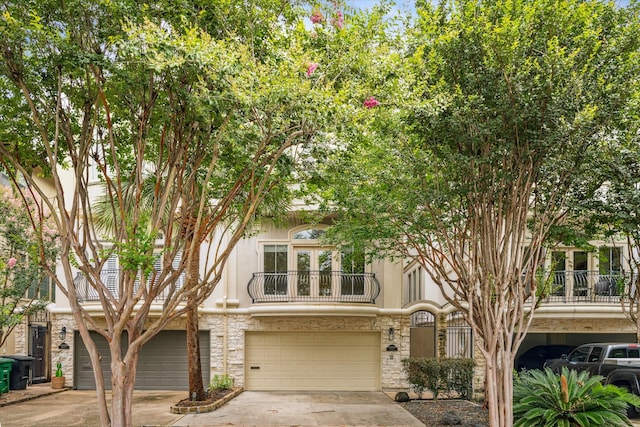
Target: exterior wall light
(62, 335)
(392, 334)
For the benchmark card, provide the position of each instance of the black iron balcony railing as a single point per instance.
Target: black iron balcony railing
(586, 286)
(86, 291)
(314, 286)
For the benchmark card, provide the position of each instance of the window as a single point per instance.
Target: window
(609, 269)
(610, 260)
(43, 290)
(111, 274)
(559, 265)
(416, 288)
(352, 266)
(595, 354)
(580, 274)
(309, 234)
(579, 354)
(275, 269)
(618, 353)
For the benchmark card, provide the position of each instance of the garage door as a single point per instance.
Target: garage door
(162, 364)
(315, 361)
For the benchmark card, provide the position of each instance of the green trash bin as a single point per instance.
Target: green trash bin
(5, 373)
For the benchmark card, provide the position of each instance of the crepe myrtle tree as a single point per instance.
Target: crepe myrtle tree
(497, 112)
(324, 44)
(131, 94)
(22, 248)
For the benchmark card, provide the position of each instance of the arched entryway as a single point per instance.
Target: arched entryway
(423, 334)
(459, 336)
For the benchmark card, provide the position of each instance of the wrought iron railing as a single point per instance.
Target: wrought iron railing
(314, 286)
(86, 291)
(586, 286)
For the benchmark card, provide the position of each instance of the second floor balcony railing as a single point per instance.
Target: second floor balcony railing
(314, 286)
(578, 287)
(587, 286)
(86, 291)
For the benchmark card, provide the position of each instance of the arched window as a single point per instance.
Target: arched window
(308, 234)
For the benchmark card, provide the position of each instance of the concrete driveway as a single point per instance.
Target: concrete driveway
(253, 408)
(79, 408)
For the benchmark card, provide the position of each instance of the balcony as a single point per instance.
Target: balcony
(583, 286)
(86, 292)
(313, 286)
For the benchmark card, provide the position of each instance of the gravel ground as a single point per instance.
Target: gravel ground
(446, 412)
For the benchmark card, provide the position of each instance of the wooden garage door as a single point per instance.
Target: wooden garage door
(314, 361)
(162, 364)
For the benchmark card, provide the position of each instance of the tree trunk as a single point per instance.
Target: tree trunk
(97, 371)
(123, 378)
(499, 388)
(196, 385)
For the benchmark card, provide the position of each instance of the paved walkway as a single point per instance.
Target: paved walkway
(32, 392)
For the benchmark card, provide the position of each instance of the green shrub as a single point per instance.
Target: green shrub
(460, 376)
(221, 382)
(545, 399)
(440, 375)
(58, 369)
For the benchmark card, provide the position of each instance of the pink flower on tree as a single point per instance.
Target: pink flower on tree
(371, 102)
(12, 262)
(311, 68)
(338, 20)
(316, 16)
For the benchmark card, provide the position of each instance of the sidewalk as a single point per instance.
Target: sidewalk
(31, 392)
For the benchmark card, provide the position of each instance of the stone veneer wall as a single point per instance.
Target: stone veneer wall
(21, 340)
(61, 355)
(479, 371)
(581, 325)
(392, 374)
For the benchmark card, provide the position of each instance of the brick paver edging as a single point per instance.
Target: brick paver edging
(206, 408)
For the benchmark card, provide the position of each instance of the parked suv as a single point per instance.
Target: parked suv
(598, 358)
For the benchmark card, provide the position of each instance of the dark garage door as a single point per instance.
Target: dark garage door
(162, 364)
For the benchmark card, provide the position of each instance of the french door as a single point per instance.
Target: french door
(314, 268)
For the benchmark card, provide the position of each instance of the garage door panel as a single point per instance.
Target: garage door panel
(312, 360)
(162, 363)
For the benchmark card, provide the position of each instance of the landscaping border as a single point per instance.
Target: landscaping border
(206, 408)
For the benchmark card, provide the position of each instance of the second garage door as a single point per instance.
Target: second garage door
(162, 364)
(313, 361)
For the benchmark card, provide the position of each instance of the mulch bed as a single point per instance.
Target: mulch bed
(212, 396)
(447, 412)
